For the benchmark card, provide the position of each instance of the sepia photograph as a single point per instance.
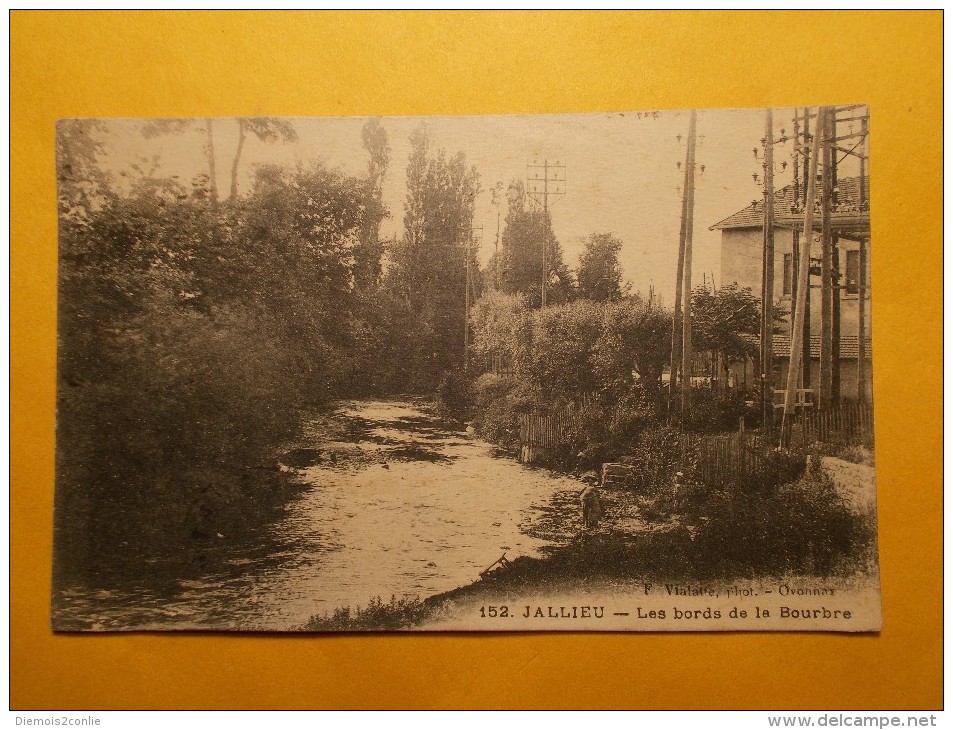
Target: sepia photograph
(562, 372)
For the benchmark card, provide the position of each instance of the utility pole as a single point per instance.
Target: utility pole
(862, 281)
(767, 289)
(468, 254)
(545, 283)
(687, 276)
(553, 183)
(823, 129)
(806, 243)
(466, 300)
(679, 274)
(495, 194)
(837, 279)
(800, 192)
(797, 335)
(496, 253)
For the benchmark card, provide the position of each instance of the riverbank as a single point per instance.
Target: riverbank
(633, 558)
(606, 581)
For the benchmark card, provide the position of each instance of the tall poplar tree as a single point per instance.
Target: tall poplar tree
(527, 230)
(429, 264)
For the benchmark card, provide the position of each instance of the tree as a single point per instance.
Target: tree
(429, 264)
(189, 339)
(162, 127)
(600, 273)
(560, 343)
(368, 254)
(298, 231)
(726, 321)
(526, 232)
(81, 184)
(266, 129)
(498, 322)
(633, 349)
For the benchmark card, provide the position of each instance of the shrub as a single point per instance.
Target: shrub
(718, 412)
(454, 396)
(803, 526)
(608, 427)
(498, 402)
(657, 456)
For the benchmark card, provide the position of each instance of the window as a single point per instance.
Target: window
(788, 275)
(852, 273)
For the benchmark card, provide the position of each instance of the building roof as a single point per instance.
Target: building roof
(848, 346)
(782, 346)
(847, 213)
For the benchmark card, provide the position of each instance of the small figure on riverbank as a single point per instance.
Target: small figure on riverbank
(592, 508)
(678, 489)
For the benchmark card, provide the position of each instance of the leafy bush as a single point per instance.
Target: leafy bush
(190, 336)
(498, 402)
(557, 362)
(657, 457)
(454, 396)
(714, 412)
(804, 526)
(607, 428)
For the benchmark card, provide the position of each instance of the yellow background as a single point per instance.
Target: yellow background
(67, 64)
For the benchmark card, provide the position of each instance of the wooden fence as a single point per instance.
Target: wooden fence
(556, 428)
(718, 459)
(753, 457)
(851, 422)
(746, 458)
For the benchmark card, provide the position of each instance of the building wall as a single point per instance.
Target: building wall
(741, 260)
(741, 264)
(741, 374)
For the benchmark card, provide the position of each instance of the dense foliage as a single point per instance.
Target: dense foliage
(427, 278)
(603, 359)
(600, 271)
(528, 232)
(193, 332)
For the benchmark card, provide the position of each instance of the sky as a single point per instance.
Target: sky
(621, 172)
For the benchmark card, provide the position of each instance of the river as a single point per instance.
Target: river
(392, 502)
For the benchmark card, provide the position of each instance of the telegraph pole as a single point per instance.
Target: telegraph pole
(823, 129)
(677, 314)
(466, 300)
(468, 253)
(805, 242)
(496, 253)
(862, 280)
(837, 280)
(797, 331)
(495, 194)
(687, 276)
(553, 182)
(767, 289)
(545, 283)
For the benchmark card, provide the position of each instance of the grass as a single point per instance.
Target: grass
(399, 613)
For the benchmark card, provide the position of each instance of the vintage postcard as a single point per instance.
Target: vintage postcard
(590, 372)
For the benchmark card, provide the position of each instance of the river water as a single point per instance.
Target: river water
(392, 503)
